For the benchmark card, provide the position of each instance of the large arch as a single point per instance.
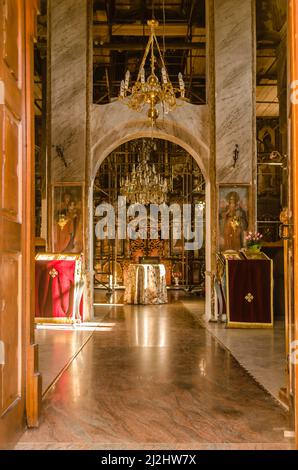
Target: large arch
(115, 124)
(109, 131)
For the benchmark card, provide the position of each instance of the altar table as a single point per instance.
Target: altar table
(58, 286)
(145, 284)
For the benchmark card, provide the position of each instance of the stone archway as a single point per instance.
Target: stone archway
(115, 124)
(109, 130)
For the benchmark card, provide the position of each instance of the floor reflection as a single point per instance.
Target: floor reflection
(157, 378)
(146, 328)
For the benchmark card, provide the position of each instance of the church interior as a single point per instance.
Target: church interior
(149, 220)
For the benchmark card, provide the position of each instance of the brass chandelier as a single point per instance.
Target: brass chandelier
(144, 185)
(152, 91)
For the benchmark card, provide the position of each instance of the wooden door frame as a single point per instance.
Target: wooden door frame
(293, 43)
(26, 408)
(33, 378)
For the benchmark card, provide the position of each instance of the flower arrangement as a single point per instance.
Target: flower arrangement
(177, 275)
(254, 240)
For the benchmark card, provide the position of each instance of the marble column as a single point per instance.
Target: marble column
(235, 89)
(211, 209)
(69, 26)
(232, 67)
(68, 42)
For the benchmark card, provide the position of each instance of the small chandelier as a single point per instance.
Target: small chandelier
(151, 91)
(144, 185)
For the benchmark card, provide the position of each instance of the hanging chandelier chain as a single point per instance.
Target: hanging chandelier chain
(164, 28)
(160, 54)
(152, 55)
(143, 63)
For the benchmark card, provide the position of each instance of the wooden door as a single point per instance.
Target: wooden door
(18, 378)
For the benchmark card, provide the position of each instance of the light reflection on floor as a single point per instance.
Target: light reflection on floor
(157, 378)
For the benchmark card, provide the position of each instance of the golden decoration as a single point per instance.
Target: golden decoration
(249, 298)
(235, 223)
(53, 273)
(152, 91)
(144, 185)
(62, 221)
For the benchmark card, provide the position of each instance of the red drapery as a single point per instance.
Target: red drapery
(54, 288)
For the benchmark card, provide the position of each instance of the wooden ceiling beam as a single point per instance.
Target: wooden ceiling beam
(122, 46)
(171, 30)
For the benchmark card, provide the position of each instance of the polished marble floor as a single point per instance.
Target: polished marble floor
(56, 349)
(156, 379)
(260, 351)
(58, 345)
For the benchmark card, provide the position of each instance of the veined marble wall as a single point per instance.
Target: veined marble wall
(68, 75)
(235, 96)
(68, 88)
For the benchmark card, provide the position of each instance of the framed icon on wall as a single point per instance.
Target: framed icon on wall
(67, 218)
(233, 216)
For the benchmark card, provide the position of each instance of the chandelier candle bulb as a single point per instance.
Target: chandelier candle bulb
(164, 75)
(122, 89)
(127, 78)
(142, 74)
(181, 84)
